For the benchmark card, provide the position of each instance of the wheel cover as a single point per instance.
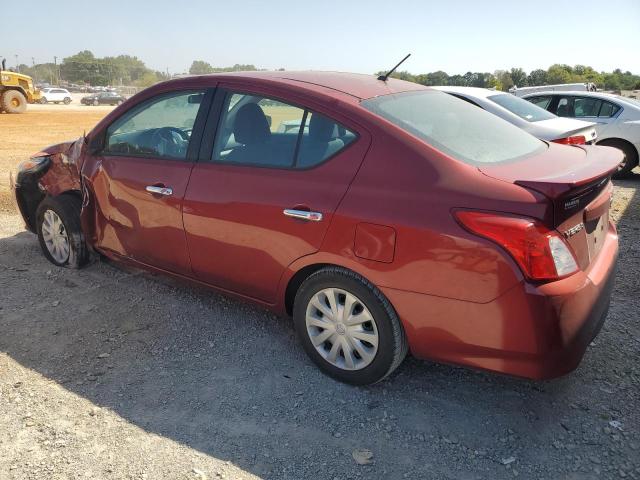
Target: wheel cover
(55, 236)
(342, 329)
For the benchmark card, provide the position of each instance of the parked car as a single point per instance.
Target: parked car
(55, 95)
(399, 218)
(535, 120)
(562, 87)
(617, 119)
(103, 98)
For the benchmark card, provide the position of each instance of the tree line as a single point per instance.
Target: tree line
(85, 68)
(505, 79)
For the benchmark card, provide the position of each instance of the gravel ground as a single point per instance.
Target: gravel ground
(114, 374)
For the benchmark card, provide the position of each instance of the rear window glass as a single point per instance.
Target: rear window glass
(455, 127)
(525, 110)
(542, 102)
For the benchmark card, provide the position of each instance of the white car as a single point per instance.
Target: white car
(56, 95)
(617, 118)
(537, 121)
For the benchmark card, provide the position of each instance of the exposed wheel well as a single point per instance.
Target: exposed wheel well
(29, 199)
(296, 281)
(627, 143)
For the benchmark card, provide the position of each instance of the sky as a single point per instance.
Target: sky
(357, 36)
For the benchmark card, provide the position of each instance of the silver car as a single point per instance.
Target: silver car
(535, 120)
(617, 118)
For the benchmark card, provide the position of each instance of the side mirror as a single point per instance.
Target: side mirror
(268, 120)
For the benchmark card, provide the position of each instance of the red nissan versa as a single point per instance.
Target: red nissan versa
(382, 215)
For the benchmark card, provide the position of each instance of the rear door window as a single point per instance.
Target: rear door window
(586, 107)
(260, 131)
(608, 109)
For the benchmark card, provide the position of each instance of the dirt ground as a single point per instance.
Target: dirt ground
(114, 374)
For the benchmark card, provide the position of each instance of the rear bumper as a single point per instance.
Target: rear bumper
(532, 331)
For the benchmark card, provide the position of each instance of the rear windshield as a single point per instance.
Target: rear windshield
(525, 110)
(455, 127)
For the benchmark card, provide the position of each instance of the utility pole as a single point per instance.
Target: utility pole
(55, 69)
(17, 64)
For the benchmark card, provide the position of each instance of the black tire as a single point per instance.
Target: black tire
(67, 207)
(67, 100)
(392, 342)
(630, 154)
(13, 101)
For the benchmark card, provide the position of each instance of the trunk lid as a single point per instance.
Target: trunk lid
(561, 127)
(576, 180)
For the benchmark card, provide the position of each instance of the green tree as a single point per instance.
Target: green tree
(518, 76)
(200, 67)
(504, 80)
(537, 77)
(559, 74)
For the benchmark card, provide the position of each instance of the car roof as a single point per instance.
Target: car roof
(470, 91)
(357, 85)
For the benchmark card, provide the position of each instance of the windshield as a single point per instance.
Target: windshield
(455, 127)
(525, 110)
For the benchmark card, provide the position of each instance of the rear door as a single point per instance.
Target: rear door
(273, 173)
(139, 176)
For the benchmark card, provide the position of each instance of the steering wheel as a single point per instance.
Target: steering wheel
(170, 141)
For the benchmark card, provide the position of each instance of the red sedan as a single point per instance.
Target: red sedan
(384, 216)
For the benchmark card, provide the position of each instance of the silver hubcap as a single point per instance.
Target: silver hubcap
(55, 236)
(342, 329)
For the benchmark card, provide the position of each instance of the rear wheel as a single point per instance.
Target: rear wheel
(630, 156)
(347, 327)
(13, 101)
(59, 231)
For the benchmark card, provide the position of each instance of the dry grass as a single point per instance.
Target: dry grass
(22, 135)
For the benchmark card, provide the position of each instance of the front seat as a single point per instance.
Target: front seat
(321, 142)
(251, 129)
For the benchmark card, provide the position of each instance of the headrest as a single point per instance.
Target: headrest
(251, 125)
(321, 129)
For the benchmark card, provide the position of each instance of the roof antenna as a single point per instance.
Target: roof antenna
(386, 75)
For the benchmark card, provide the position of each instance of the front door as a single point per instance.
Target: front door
(138, 181)
(267, 191)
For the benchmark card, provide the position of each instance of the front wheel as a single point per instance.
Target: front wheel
(67, 101)
(59, 231)
(43, 101)
(347, 327)
(96, 103)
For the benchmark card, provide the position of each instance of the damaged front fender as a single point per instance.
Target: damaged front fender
(52, 171)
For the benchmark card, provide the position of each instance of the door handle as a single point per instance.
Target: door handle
(303, 215)
(160, 190)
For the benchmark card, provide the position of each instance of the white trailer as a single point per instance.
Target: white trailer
(563, 87)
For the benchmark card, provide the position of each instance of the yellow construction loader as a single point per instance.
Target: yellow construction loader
(16, 90)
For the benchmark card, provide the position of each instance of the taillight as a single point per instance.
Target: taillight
(576, 140)
(541, 253)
